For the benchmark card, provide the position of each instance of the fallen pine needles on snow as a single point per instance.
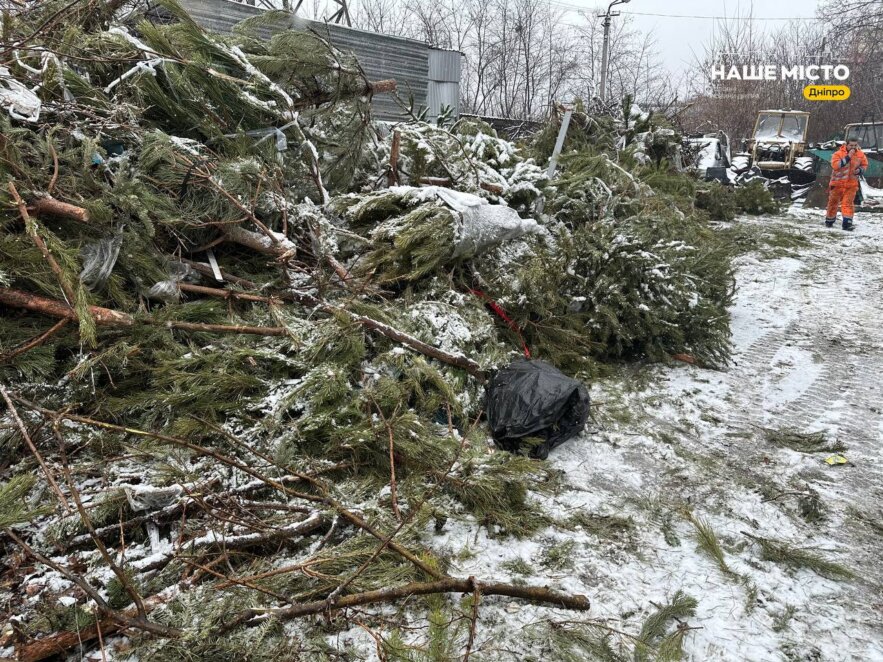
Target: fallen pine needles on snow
(804, 442)
(799, 558)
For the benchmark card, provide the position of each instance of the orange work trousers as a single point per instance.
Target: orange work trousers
(842, 196)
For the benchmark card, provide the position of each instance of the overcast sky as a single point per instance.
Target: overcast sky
(678, 36)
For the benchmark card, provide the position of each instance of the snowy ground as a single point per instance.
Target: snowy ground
(808, 354)
(674, 445)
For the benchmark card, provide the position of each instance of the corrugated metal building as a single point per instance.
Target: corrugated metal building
(430, 75)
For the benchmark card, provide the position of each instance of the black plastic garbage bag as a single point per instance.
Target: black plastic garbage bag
(531, 398)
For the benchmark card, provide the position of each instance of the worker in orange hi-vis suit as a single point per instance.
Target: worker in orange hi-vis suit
(848, 163)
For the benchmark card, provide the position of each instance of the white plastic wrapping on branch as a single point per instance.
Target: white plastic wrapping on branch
(18, 100)
(482, 224)
(99, 258)
(168, 290)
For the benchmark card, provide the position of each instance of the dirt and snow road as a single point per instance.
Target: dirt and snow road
(690, 445)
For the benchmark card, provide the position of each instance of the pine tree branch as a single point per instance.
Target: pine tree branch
(124, 581)
(344, 512)
(447, 585)
(228, 294)
(24, 433)
(31, 228)
(115, 318)
(473, 621)
(34, 342)
(122, 619)
(456, 360)
(199, 494)
(268, 245)
(61, 643)
(55, 308)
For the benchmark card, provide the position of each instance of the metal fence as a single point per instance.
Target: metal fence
(430, 76)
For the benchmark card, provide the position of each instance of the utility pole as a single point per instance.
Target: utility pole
(605, 49)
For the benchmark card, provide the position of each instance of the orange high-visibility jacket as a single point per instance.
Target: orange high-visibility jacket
(846, 172)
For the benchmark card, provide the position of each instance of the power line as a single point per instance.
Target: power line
(577, 8)
(726, 18)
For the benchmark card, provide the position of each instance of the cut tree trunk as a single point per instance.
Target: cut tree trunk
(383, 86)
(114, 318)
(49, 206)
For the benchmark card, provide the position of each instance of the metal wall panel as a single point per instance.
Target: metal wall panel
(440, 94)
(381, 56)
(445, 65)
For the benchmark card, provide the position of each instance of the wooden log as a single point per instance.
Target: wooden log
(55, 308)
(114, 318)
(49, 206)
(382, 86)
(258, 242)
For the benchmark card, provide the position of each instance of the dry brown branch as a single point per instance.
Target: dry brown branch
(339, 269)
(34, 342)
(114, 318)
(54, 179)
(125, 582)
(263, 575)
(55, 308)
(393, 487)
(473, 621)
(344, 512)
(447, 585)
(392, 176)
(13, 412)
(31, 228)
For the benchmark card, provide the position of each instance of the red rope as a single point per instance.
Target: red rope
(498, 310)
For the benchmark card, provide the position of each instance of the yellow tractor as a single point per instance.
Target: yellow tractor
(776, 151)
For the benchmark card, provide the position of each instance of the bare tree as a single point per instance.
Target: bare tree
(521, 55)
(731, 105)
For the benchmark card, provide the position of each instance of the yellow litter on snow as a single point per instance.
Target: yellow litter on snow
(836, 459)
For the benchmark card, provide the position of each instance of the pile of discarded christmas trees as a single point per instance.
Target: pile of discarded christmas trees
(246, 332)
